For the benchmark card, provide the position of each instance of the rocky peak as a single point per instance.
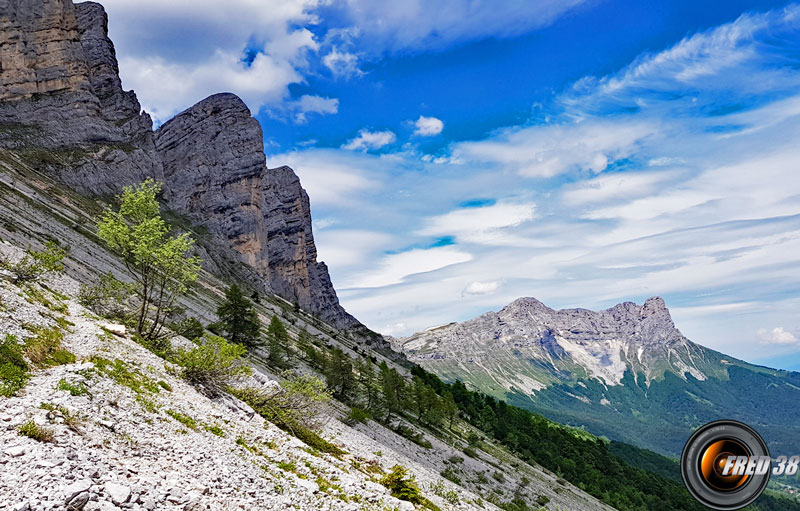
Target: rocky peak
(61, 96)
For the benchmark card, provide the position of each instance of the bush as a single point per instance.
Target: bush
(294, 407)
(36, 263)
(109, 297)
(404, 487)
(213, 365)
(190, 328)
(542, 500)
(357, 415)
(44, 348)
(13, 368)
(451, 475)
(32, 430)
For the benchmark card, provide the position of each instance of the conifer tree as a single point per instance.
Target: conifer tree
(238, 319)
(277, 341)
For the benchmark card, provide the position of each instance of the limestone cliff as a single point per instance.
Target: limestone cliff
(63, 110)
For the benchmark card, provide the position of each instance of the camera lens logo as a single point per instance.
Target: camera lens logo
(725, 465)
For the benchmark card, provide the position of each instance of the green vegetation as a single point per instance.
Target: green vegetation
(44, 348)
(39, 433)
(404, 487)
(158, 261)
(190, 328)
(72, 420)
(13, 368)
(238, 319)
(182, 418)
(74, 389)
(214, 430)
(213, 365)
(293, 408)
(108, 297)
(36, 263)
(277, 340)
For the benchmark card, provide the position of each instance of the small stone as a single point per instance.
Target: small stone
(16, 452)
(118, 493)
(23, 506)
(405, 506)
(78, 502)
(81, 486)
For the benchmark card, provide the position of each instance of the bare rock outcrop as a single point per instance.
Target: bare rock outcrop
(63, 109)
(216, 174)
(61, 101)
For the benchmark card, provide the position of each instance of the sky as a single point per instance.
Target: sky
(461, 154)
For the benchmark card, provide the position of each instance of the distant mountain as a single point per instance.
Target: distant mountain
(626, 372)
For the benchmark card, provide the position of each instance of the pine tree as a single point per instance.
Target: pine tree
(369, 382)
(449, 408)
(339, 375)
(277, 340)
(393, 388)
(239, 321)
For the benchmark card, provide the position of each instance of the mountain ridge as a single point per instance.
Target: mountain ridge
(63, 109)
(626, 372)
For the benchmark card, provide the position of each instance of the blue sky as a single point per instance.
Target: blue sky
(463, 154)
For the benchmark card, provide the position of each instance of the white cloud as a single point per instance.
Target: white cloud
(308, 104)
(176, 53)
(486, 225)
(418, 24)
(481, 288)
(548, 150)
(330, 177)
(341, 248)
(370, 140)
(342, 63)
(394, 268)
(776, 336)
(428, 126)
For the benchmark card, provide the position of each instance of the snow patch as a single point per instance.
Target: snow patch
(601, 359)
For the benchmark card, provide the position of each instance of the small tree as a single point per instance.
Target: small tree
(238, 319)
(36, 263)
(339, 375)
(277, 340)
(214, 364)
(159, 262)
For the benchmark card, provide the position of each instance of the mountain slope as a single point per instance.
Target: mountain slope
(63, 111)
(626, 372)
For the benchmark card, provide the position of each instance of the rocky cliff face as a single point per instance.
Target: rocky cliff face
(61, 100)
(216, 174)
(63, 109)
(528, 346)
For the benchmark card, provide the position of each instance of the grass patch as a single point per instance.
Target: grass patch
(182, 418)
(44, 348)
(32, 430)
(74, 389)
(214, 430)
(13, 368)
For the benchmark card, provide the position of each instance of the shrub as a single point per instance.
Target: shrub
(36, 263)
(44, 348)
(214, 430)
(455, 459)
(404, 487)
(109, 297)
(294, 408)
(450, 475)
(13, 368)
(158, 261)
(182, 418)
(357, 415)
(32, 430)
(190, 328)
(74, 389)
(213, 365)
(542, 500)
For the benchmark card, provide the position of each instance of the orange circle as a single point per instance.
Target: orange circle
(713, 461)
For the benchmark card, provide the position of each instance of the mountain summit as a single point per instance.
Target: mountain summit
(626, 372)
(64, 112)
